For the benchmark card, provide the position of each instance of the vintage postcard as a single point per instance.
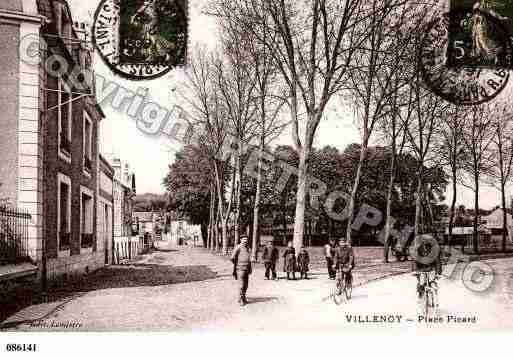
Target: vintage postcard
(235, 167)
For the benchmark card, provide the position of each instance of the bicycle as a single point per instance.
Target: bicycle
(427, 290)
(343, 284)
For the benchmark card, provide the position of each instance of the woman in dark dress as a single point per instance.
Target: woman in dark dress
(289, 261)
(303, 260)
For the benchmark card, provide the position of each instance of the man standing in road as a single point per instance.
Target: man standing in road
(270, 258)
(242, 268)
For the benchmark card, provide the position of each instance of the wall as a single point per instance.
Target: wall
(9, 80)
(75, 265)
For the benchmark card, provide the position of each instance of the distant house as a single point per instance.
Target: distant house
(124, 193)
(145, 221)
(105, 211)
(494, 221)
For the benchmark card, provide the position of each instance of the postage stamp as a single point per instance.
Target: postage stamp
(473, 78)
(141, 39)
(479, 32)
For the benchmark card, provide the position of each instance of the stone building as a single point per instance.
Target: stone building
(49, 138)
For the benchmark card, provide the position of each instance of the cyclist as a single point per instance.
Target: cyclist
(344, 259)
(427, 258)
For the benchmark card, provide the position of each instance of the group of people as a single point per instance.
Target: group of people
(242, 266)
(291, 263)
(336, 257)
(339, 259)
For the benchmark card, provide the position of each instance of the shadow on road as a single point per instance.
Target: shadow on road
(253, 300)
(114, 276)
(165, 250)
(141, 275)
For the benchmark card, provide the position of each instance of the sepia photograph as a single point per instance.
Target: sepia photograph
(254, 169)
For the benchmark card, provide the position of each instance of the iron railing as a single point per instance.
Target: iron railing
(13, 235)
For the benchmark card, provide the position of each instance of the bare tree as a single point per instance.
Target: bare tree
(453, 153)
(314, 49)
(237, 85)
(269, 121)
(503, 141)
(424, 141)
(208, 117)
(478, 138)
(383, 69)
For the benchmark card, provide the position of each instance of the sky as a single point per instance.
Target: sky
(149, 156)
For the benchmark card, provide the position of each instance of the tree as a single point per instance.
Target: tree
(453, 153)
(208, 116)
(503, 141)
(478, 139)
(387, 32)
(313, 47)
(188, 186)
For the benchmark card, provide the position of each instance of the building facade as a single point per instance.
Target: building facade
(49, 143)
(105, 210)
(124, 193)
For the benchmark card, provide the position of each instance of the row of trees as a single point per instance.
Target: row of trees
(282, 64)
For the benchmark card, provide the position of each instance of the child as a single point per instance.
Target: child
(303, 260)
(289, 261)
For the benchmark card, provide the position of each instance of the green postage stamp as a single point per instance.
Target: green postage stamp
(141, 39)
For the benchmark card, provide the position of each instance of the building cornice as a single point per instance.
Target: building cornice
(22, 17)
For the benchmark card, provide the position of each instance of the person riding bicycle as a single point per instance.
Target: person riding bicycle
(427, 258)
(344, 259)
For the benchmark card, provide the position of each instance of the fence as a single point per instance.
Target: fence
(13, 235)
(127, 248)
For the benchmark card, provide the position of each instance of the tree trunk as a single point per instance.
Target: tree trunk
(302, 183)
(504, 216)
(503, 189)
(389, 204)
(238, 188)
(216, 231)
(204, 234)
(284, 224)
(256, 209)
(453, 206)
(475, 234)
(418, 203)
(363, 152)
(211, 218)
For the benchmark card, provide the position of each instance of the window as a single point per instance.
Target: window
(88, 140)
(64, 114)
(86, 218)
(63, 212)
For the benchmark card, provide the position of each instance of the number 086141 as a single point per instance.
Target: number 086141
(21, 347)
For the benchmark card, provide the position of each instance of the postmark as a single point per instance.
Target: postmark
(466, 84)
(141, 39)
